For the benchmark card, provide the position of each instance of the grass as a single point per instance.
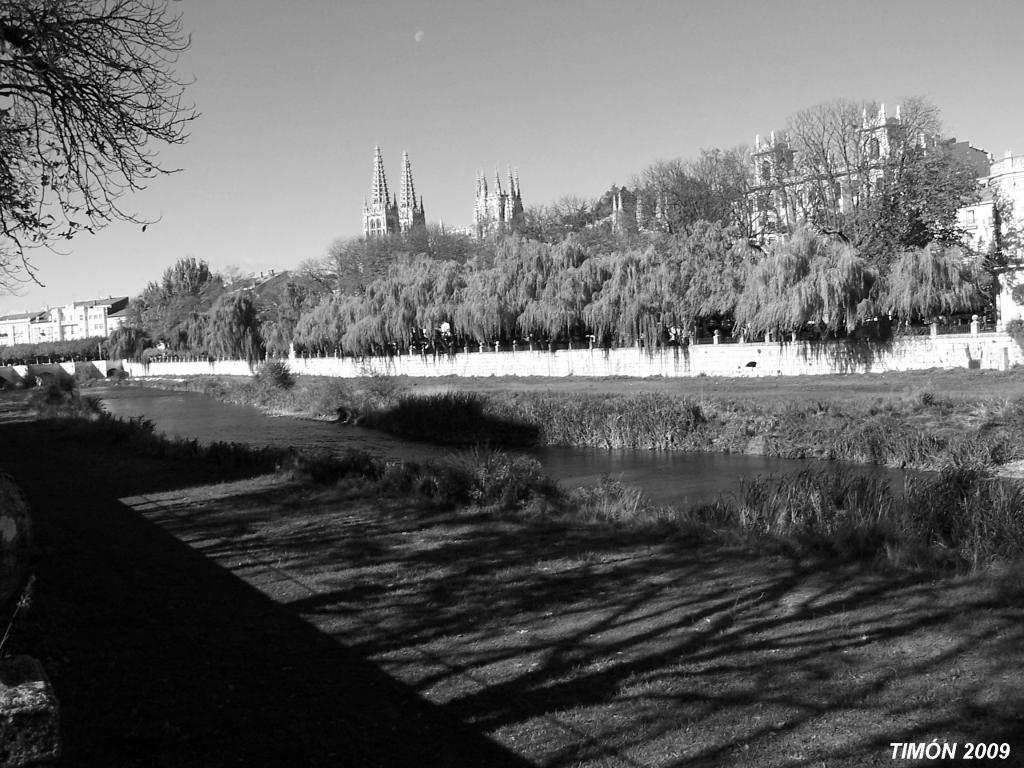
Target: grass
(590, 645)
(277, 391)
(593, 634)
(922, 420)
(961, 518)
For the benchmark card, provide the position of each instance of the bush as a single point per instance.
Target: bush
(55, 401)
(275, 374)
(1016, 330)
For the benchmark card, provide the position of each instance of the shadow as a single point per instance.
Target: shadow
(593, 645)
(570, 644)
(848, 355)
(161, 657)
(452, 418)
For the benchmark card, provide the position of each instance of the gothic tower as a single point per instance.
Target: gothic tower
(496, 211)
(410, 215)
(618, 214)
(380, 215)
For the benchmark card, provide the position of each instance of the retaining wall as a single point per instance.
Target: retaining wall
(993, 351)
(188, 368)
(996, 351)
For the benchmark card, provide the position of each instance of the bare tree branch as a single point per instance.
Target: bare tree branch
(87, 93)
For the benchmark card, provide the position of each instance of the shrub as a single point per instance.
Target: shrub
(326, 468)
(275, 374)
(1016, 330)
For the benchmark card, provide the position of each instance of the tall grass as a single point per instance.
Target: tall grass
(919, 431)
(960, 518)
(915, 433)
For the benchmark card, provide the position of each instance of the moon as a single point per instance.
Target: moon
(418, 36)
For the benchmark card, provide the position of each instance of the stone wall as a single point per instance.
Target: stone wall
(188, 368)
(993, 351)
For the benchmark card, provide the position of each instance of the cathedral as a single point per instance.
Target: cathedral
(496, 210)
(385, 215)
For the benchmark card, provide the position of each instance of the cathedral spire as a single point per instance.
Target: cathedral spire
(409, 215)
(407, 198)
(379, 191)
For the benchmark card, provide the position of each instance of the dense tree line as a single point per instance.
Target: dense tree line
(68, 351)
(649, 289)
(645, 290)
(889, 256)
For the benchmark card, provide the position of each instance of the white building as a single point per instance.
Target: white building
(77, 320)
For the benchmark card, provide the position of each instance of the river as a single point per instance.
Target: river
(666, 477)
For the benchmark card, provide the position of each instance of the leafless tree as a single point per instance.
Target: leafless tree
(87, 93)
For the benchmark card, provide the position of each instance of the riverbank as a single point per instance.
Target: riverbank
(191, 615)
(922, 420)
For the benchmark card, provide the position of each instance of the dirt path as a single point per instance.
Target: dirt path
(190, 618)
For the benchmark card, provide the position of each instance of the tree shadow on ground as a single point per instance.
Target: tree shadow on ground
(579, 644)
(161, 657)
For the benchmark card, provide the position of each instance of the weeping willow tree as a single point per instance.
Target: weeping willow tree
(643, 295)
(416, 295)
(558, 308)
(716, 260)
(127, 342)
(807, 279)
(322, 328)
(498, 286)
(233, 330)
(426, 296)
(930, 281)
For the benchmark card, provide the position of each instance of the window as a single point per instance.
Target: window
(969, 218)
(766, 171)
(873, 149)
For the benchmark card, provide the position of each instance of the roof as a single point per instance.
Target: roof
(107, 302)
(22, 316)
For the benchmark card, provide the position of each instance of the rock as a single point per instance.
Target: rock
(15, 540)
(29, 716)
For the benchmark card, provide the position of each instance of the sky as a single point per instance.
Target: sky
(577, 94)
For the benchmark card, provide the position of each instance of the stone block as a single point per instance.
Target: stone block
(29, 717)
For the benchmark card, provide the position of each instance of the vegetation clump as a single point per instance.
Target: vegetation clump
(275, 374)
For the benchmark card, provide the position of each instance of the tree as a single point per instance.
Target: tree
(930, 281)
(233, 330)
(87, 91)
(807, 279)
(914, 203)
(168, 309)
(127, 342)
(711, 188)
(356, 262)
(887, 186)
